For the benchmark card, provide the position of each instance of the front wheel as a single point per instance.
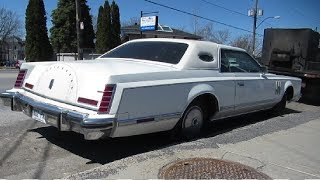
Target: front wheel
(281, 106)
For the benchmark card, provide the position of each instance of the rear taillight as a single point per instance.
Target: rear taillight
(20, 78)
(106, 99)
(30, 86)
(87, 101)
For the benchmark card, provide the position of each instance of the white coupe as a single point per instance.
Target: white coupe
(149, 85)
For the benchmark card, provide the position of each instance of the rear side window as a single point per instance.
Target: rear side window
(167, 52)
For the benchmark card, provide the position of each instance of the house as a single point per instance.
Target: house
(133, 32)
(12, 49)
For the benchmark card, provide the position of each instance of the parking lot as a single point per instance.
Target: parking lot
(285, 146)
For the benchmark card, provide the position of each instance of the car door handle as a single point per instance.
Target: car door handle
(240, 84)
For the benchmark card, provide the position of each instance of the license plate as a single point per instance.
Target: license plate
(38, 115)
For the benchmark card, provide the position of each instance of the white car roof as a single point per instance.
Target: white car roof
(188, 41)
(190, 59)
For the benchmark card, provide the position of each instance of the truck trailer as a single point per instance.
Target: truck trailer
(294, 52)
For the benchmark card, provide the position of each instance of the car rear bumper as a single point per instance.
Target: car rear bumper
(63, 119)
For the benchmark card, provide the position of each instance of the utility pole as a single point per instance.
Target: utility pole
(255, 12)
(141, 14)
(78, 18)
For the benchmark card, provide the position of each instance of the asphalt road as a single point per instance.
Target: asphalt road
(32, 150)
(7, 78)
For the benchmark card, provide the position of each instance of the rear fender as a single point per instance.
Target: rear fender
(198, 90)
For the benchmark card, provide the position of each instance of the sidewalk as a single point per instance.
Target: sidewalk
(293, 153)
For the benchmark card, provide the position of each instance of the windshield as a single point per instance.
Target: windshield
(167, 52)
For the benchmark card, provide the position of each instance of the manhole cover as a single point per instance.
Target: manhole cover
(207, 168)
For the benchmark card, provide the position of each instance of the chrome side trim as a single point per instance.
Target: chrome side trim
(225, 108)
(257, 103)
(63, 119)
(156, 118)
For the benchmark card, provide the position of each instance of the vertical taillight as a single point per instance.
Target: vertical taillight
(106, 100)
(20, 78)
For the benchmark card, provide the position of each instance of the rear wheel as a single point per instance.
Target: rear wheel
(191, 123)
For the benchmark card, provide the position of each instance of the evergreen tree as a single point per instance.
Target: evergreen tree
(87, 34)
(38, 47)
(99, 33)
(63, 32)
(115, 24)
(107, 26)
(104, 33)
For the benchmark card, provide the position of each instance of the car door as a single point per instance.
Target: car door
(250, 91)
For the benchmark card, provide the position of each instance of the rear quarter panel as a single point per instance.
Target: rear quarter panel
(165, 101)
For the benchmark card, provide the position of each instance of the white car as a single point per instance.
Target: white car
(149, 85)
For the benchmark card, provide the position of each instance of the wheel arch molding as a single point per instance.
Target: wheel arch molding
(201, 90)
(288, 87)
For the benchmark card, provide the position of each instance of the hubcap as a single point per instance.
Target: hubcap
(193, 120)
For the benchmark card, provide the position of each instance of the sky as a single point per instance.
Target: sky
(293, 13)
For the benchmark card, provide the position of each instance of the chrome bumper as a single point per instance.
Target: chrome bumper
(63, 119)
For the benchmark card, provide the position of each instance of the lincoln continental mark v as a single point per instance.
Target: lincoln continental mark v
(146, 86)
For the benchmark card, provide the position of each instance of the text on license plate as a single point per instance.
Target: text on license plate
(38, 115)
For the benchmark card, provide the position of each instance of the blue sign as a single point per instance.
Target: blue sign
(149, 23)
(147, 28)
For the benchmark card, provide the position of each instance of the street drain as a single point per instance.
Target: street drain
(208, 168)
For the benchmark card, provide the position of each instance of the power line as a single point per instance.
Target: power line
(296, 10)
(233, 11)
(230, 10)
(201, 17)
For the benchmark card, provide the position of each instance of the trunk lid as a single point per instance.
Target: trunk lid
(67, 81)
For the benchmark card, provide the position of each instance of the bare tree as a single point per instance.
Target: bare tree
(195, 25)
(10, 23)
(244, 42)
(221, 36)
(258, 49)
(206, 32)
(181, 28)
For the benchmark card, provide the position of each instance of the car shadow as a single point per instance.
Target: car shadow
(109, 150)
(105, 150)
(225, 125)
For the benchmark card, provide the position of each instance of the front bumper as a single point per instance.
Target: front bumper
(63, 119)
